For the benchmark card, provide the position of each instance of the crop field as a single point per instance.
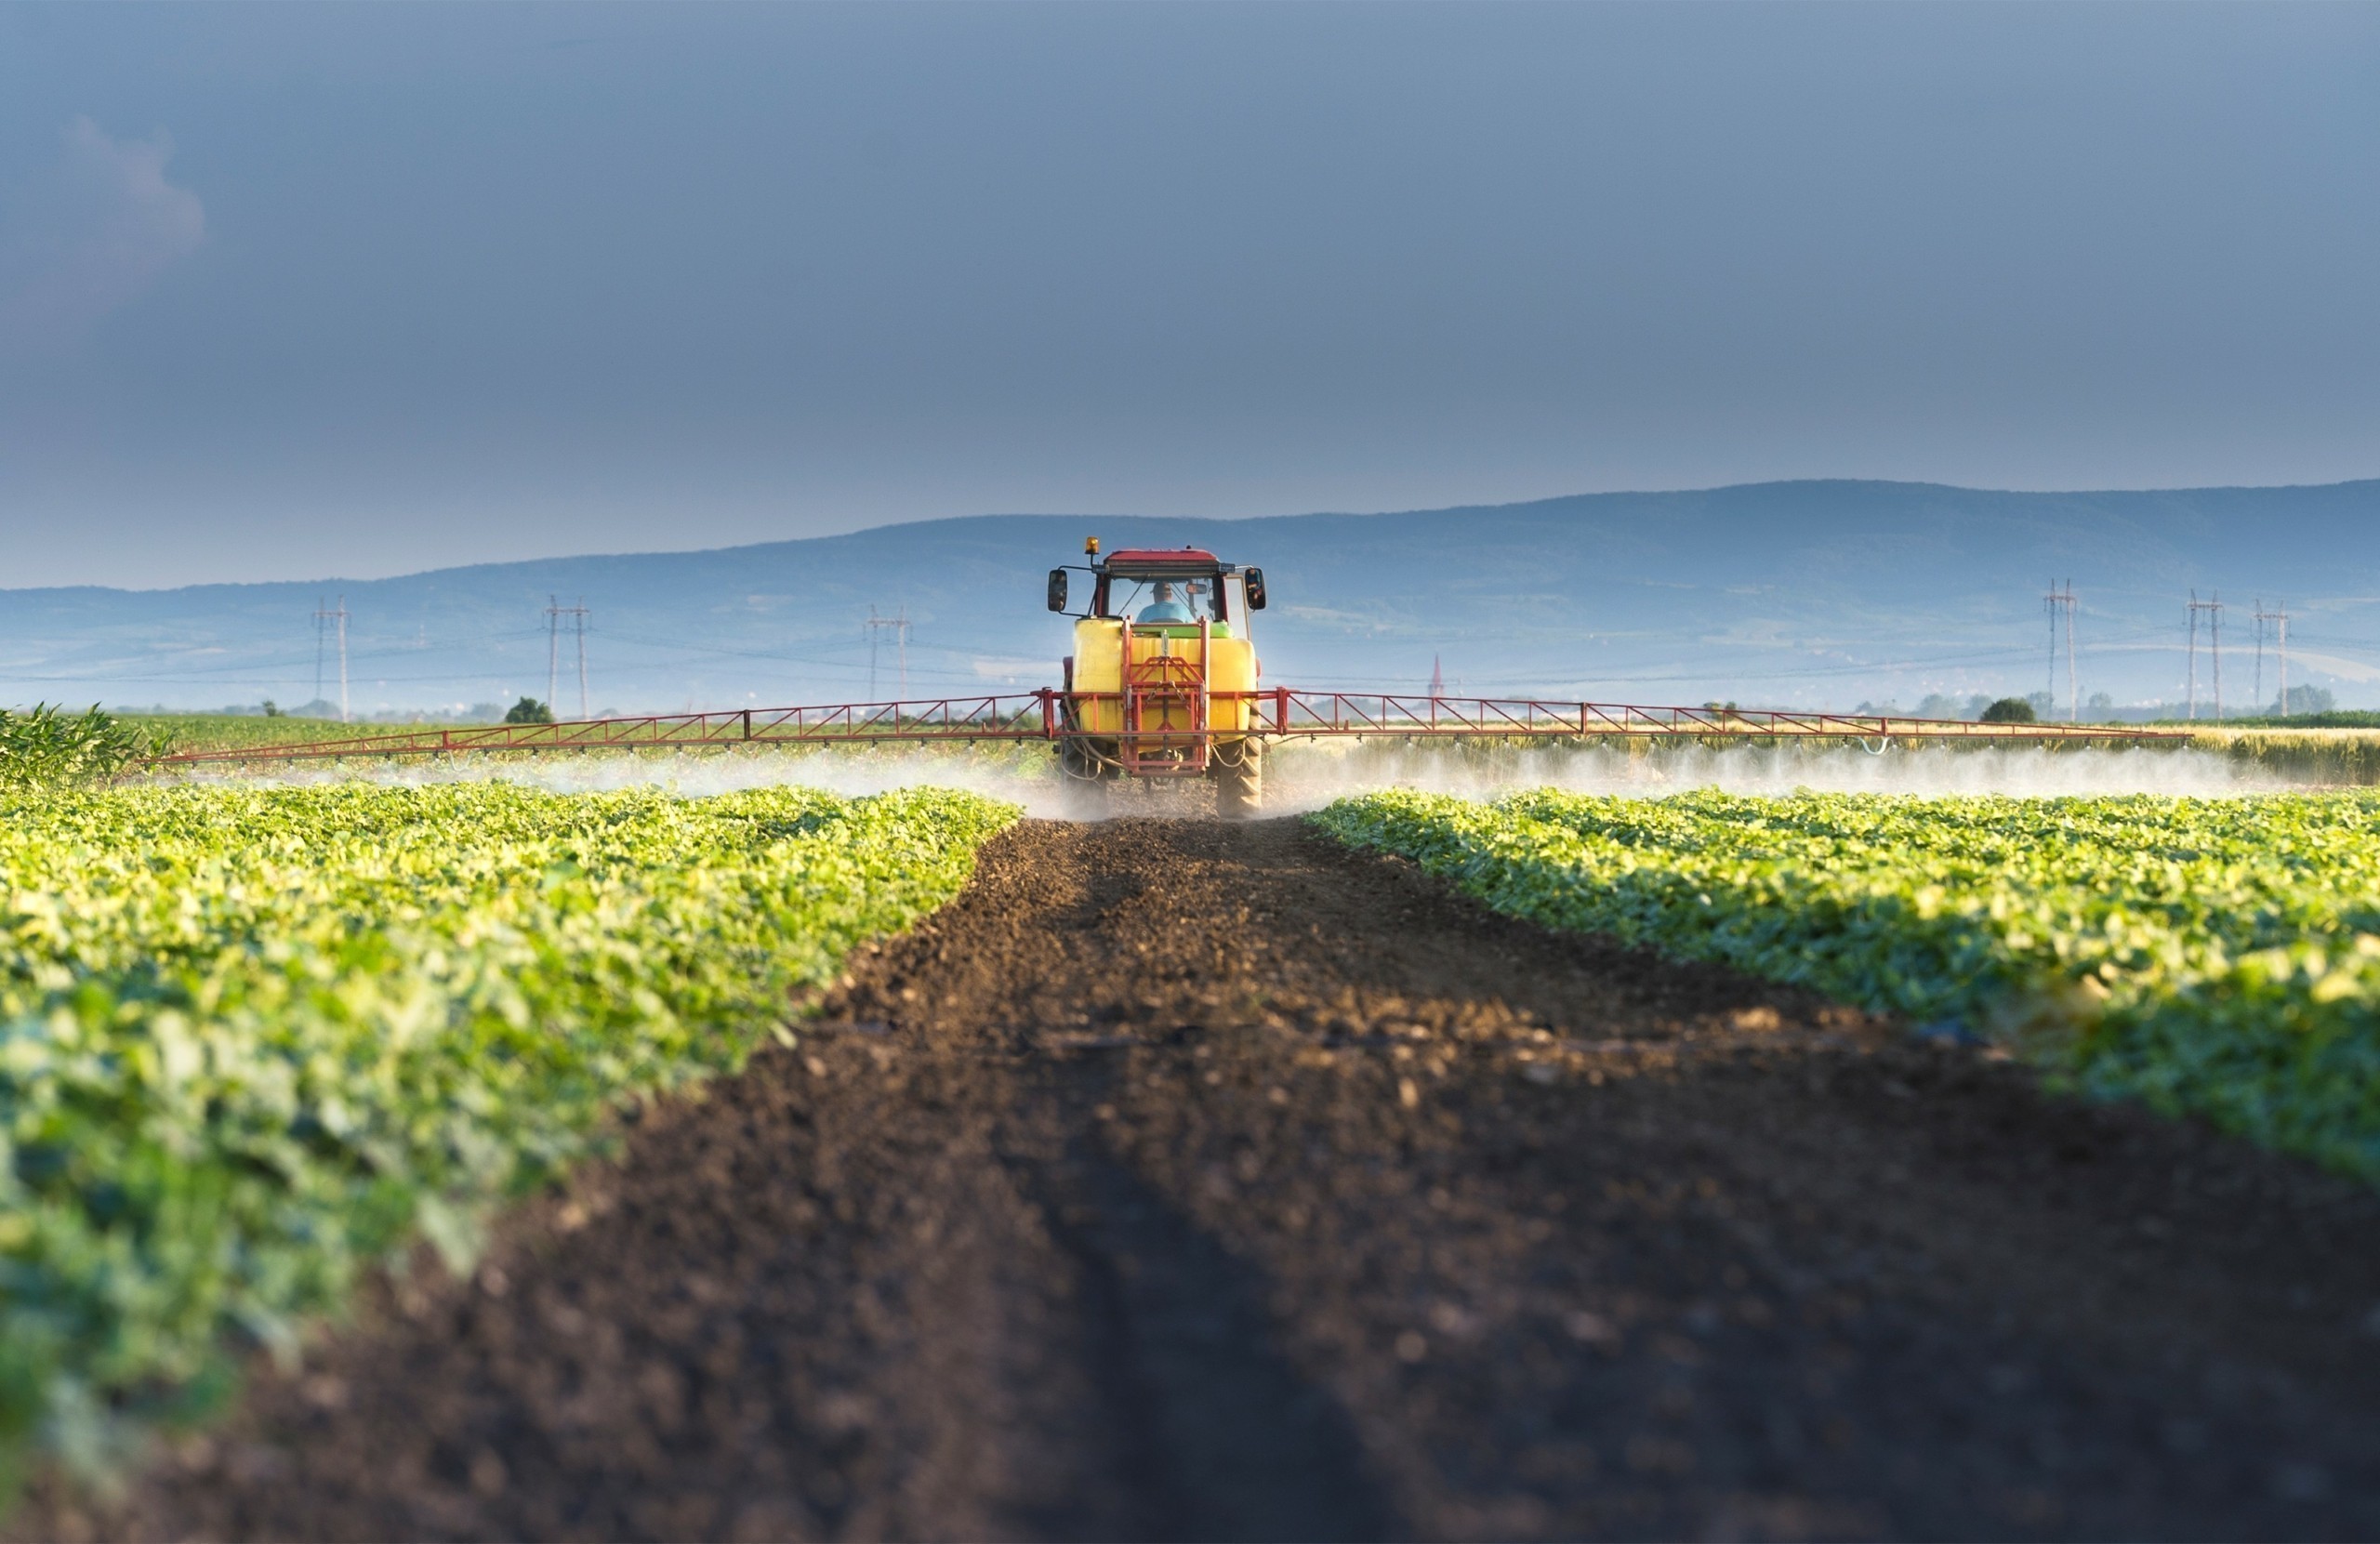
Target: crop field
(2340, 757)
(633, 1147)
(257, 1040)
(235, 731)
(2211, 957)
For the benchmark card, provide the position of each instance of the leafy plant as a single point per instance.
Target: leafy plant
(254, 1040)
(47, 747)
(528, 710)
(2213, 956)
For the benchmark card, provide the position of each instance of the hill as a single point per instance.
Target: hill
(1817, 593)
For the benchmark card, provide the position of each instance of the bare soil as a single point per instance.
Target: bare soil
(1193, 1180)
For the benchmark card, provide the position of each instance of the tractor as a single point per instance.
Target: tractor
(1162, 681)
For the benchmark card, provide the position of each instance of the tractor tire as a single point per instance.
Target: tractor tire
(1240, 780)
(1084, 783)
(1086, 799)
(1079, 761)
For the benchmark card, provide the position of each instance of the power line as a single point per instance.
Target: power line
(2283, 619)
(323, 616)
(2279, 616)
(899, 626)
(2256, 690)
(2059, 602)
(555, 612)
(2214, 609)
(272, 661)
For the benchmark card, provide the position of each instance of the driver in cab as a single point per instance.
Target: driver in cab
(1163, 607)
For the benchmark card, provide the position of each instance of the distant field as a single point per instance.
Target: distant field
(2333, 756)
(2344, 717)
(2323, 758)
(230, 730)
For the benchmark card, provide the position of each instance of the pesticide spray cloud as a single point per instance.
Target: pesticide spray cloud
(1026, 779)
(1306, 775)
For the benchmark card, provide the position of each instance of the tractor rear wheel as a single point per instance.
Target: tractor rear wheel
(1240, 780)
(1083, 782)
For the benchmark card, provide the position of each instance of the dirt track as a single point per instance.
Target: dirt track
(1187, 1181)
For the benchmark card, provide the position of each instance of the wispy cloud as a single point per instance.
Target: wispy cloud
(92, 236)
(2333, 664)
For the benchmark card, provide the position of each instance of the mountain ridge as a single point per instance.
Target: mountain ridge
(2357, 485)
(1809, 592)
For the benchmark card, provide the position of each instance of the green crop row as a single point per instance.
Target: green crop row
(254, 1040)
(2218, 957)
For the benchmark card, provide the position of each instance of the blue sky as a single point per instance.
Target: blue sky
(289, 292)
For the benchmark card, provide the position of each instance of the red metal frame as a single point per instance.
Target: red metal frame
(1376, 713)
(1281, 712)
(1197, 560)
(1163, 687)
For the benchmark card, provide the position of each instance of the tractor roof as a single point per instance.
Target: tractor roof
(1162, 562)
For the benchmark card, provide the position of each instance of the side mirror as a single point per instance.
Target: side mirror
(1057, 590)
(1253, 581)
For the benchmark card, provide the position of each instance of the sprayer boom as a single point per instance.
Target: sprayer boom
(1275, 714)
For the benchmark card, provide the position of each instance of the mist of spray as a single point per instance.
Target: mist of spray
(1310, 777)
(1301, 776)
(1031, 782)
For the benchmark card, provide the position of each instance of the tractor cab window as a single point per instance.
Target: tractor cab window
(1164, 601)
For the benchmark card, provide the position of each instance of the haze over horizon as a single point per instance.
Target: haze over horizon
(1094, 518)
(1815, 594)
(294, 293)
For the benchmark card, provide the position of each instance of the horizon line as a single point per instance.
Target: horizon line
(1235, 519)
